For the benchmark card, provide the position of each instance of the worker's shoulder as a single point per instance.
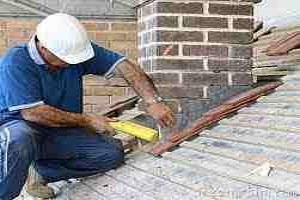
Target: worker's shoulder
(16, 56)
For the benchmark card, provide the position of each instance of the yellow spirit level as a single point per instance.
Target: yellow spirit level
(136, 130)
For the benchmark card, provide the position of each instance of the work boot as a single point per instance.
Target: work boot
(36, 186)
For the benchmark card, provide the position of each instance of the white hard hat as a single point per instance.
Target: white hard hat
(65, 37)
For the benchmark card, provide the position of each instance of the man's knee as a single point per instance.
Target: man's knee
(19, 138)
(17, 152)
(112, 158)
(119, 156)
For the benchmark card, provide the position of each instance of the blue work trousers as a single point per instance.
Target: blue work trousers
(56, 153)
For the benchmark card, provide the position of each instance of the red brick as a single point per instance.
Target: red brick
(243, 24)
(104, 91)
(118, 45)
(118, 99)
(99, 107)
(22, 24)
(20, 34)
(205, 50)
(165, 78)
(124, 27)
(242, 79)
(178, 36)
(227, 9)
(229, 65)
(205, 22)
(163, 21)
(230, 37)
(100, 81)
(3, 25)
(179, 64)
(95, 26)
(161, 50)
(174, 7)
(3, 41)
(241, 52)
(92, 35)
(113, 36)
(180, 92)
(205, 78)
(96, 100)
(148, 10)
(87, 91)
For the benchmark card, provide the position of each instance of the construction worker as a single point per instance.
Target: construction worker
(42, 124)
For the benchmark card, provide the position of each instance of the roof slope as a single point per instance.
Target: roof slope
(79, 8)
(217, 164)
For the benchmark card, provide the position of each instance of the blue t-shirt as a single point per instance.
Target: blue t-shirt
(26, 83)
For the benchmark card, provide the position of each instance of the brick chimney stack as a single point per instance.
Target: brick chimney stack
(196, 50)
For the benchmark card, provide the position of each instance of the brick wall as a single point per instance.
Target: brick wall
(196, 51)
(116, 35)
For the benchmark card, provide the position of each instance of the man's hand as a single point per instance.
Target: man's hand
(162, 114)
(101, 123)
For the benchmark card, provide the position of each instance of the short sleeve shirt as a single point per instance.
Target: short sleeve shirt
(26, 81)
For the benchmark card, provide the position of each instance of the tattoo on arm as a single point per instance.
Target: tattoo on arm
(53, 117)
(138, 79)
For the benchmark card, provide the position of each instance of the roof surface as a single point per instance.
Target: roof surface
(80, 8)
(218, 163)
(272, 67)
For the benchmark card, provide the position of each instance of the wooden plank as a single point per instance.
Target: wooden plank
(110, 188)
(291, 56)
(204, 181)
(120, 106)
(282, 60)
(153, 186)
(270, 73)
(255, 135)
(237, 170)
(256, 154)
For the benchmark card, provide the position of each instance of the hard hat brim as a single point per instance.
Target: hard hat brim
(83, 56)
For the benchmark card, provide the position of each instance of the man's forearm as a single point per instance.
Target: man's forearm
(139, 80)
(53, 117)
